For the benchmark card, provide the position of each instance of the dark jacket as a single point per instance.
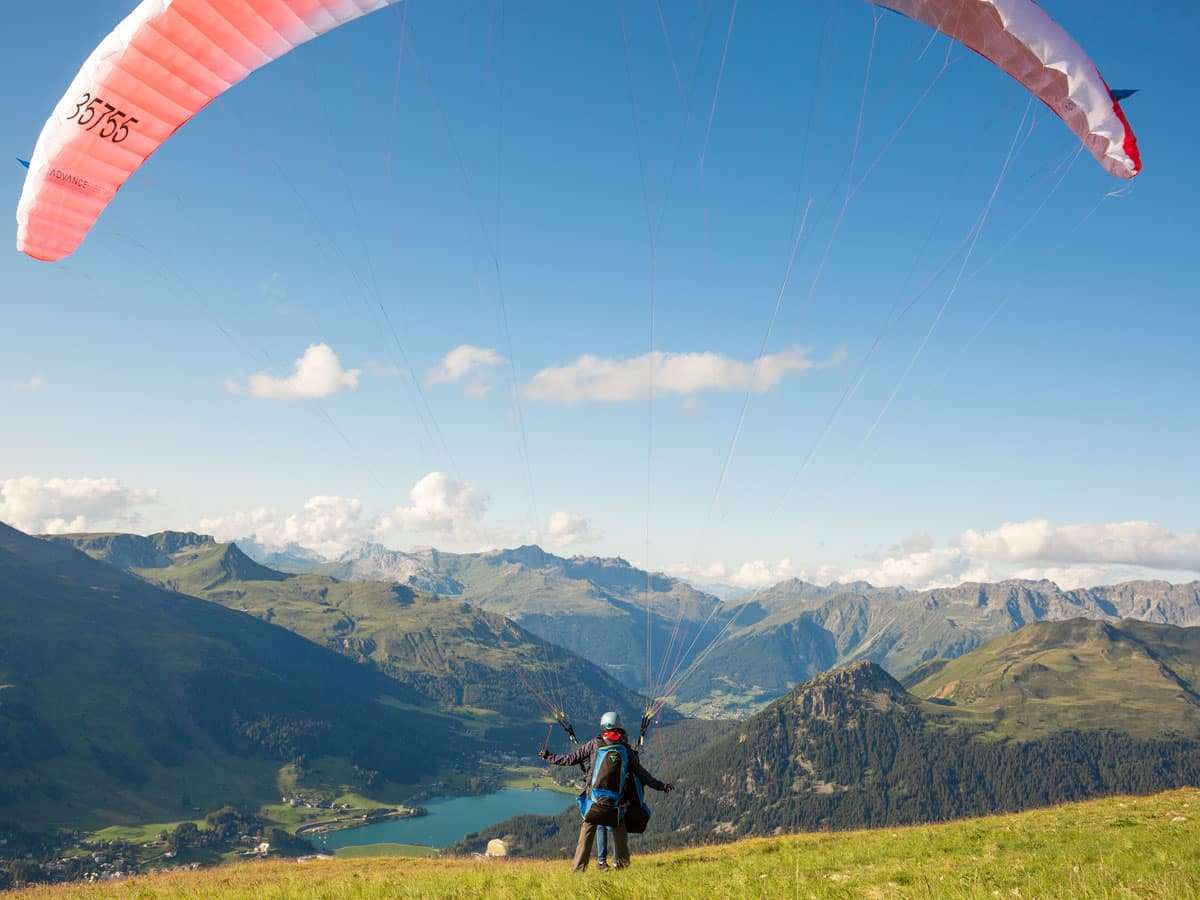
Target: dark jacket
(587, 753)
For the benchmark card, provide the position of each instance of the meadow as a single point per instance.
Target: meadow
(1115, 847)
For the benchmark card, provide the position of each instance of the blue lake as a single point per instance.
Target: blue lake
(450, 819)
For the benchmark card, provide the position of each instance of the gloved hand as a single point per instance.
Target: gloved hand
(543, 753)
(667, 788)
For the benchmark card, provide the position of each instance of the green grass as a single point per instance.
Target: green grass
(525, 776)
(1056, 675)
(1119, 847)
(140, 834)
(367, 851)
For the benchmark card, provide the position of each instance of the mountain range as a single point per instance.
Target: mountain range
(618, 616)
(796, 630)
(442, 650)
(139, 675)
(1054, 712)
(745, 652)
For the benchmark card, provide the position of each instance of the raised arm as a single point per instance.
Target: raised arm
(580, 754)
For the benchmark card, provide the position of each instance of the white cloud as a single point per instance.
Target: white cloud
(32, 383)
(61, 505)
(440, 506)
(761, 573)
(1071, 556)
(598, 380)
(230, 526)
(466, 361)
(920, 569)
(1121, 543)
(1070, 577)
(327, 525)
(566, 528)
(319, 373)
(448, 511)
(705, 572)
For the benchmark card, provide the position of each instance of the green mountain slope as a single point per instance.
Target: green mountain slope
(1057, 712)
(121, 701)
(605, 610)
(1131, 676)
(442, 650)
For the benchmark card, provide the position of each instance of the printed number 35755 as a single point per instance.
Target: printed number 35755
(92, 112)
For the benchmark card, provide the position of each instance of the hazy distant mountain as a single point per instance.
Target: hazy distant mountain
(795, 630)
(375, 562)
(281, 558)
(600, 608)
(778, 637)
(730, 593)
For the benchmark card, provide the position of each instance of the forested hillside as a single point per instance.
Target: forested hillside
(121, 701)
(853, 748)
(441, 649)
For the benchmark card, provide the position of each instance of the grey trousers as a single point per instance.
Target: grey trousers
(587, 837)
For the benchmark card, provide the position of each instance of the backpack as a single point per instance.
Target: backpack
(604, 802)
(637, 815)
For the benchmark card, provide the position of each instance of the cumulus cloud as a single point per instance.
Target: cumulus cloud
(1072, 556)
(1122, 543)
(920, 569)
(1071, 577)
(469, 363)
(32, 383)
(318, 373)
(61, 505)
(240, 524)
(439, 506)
(566, 528)
(594, 379)
(325, 524)
(757, 573)
(763, 573)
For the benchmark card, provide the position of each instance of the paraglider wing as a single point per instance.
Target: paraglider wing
(1020, 38)
(164, 63)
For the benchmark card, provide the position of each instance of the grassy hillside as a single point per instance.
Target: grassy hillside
(1133, 677)
(441, 649)
(122, 702)
(1119, 847)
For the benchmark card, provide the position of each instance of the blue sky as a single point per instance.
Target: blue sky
(527, 180)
